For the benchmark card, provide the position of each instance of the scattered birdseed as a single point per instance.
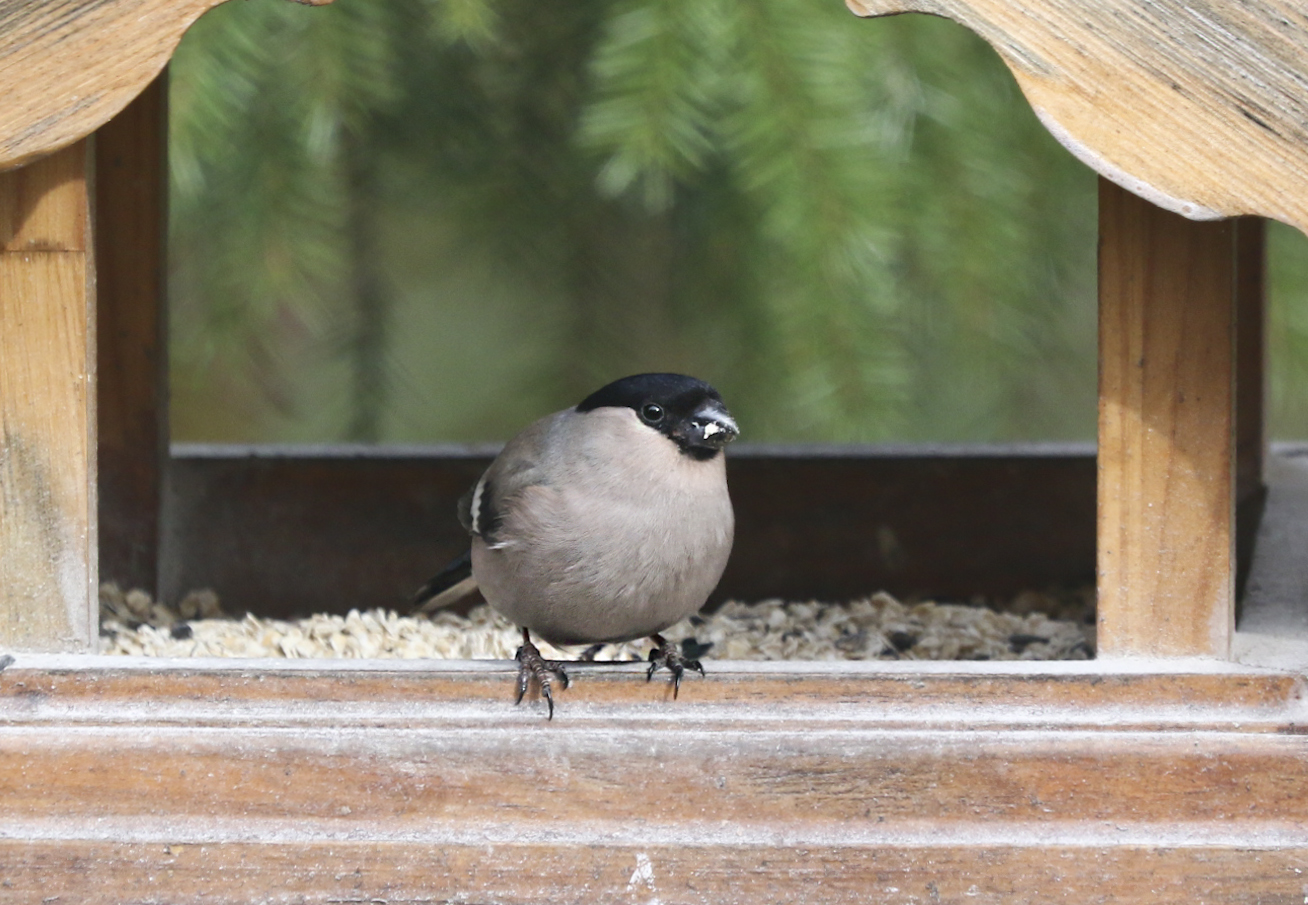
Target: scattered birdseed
(1033, 627)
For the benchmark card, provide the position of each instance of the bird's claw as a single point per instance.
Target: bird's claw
(531, 665)
(668, 656)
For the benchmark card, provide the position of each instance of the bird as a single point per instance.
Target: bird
(602, 523)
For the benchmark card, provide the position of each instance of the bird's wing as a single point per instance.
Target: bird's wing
(519, 465)
(481, 512)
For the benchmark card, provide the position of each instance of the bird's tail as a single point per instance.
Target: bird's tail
(449, 586)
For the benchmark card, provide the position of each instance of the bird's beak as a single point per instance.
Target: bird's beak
(712, 426)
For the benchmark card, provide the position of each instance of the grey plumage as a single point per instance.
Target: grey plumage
(603, 530)
(602, 523)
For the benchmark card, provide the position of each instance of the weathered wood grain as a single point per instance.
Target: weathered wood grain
(47, 431)
(68, 67)
(1166, 430)
(406, 873)
(1200, 107)
(56, 690)
(421, 783)
(131, 335)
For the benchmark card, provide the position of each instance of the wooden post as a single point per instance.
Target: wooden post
(47, 407)
(1166, 430)
(132, 396)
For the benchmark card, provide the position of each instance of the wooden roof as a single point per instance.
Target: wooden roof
(68, 66)
(1200, 107)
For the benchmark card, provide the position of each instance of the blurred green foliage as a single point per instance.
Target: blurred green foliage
(1287, 332)
(435, 220)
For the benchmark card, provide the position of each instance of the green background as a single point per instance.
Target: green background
(436, 220)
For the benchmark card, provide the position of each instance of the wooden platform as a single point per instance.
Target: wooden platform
(420, 782)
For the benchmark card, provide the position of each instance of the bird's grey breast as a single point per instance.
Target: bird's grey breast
(619, 536)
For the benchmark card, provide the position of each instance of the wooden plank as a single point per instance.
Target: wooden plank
(1166, 431)
(397, 873)
(132, 346)
(50, 689)
(1202, 109)
(67, 68)
(47, 430)
(298, 532)
(419, 782)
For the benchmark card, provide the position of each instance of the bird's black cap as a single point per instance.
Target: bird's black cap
(674, 391)
(685, 409)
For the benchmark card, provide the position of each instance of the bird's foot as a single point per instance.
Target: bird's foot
(531, 665)
(665, 654)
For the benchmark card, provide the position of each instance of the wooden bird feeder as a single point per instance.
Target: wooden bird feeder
(1173, 768)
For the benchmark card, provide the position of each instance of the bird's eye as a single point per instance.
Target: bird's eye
(651, 413)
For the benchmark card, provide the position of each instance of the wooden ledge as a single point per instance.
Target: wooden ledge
(736, 697)
(124, 779)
